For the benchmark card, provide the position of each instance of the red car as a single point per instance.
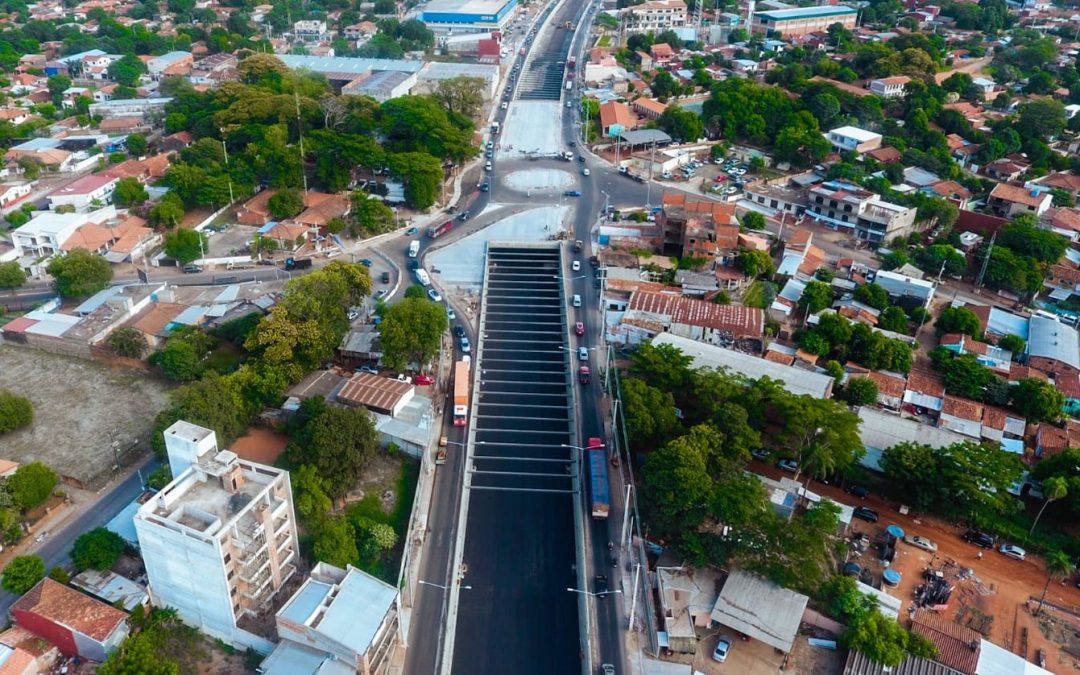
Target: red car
(579, 328)
(424, 380)
(721, 178)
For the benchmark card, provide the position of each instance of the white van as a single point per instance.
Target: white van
(414, 248)
(577, 300)
(422, 277)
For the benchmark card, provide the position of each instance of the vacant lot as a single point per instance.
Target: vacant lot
(80, 409)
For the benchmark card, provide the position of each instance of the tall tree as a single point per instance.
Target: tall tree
(411, 331)
(1054, 488)
(79, 273)
(1058, 565)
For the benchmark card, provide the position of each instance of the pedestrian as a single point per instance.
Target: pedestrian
(979, 555)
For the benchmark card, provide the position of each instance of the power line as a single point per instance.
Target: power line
(986, 262)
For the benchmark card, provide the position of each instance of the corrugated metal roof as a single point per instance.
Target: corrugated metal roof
(958, 646)
(229, 294)
(860, 664)
(356, 612)
(761, 609)
(290, 658)
(372, 391)
(1052, 339)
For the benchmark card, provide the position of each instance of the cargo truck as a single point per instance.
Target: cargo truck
(599, 501)
(461, 393)
(438, 230)
(297, 263)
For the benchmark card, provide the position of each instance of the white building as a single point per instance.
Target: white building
(219, 541)
(44, 235)
(14, 191)
(889, 87)
(87, 192)
(655, 16)
(310, 31)
(853, 139)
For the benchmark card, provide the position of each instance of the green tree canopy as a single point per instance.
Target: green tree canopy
(22, 573)
(411, 331)
(816, 297)
(129, 192)
(1038, 400)
(335, 542)
(338, 443)
(98, 549)
(15, 411)
(79, 273)
(31, 485)
(285, 203)
(11, 275)
(127, 342)
(861, 391)
(872, 294)
(958, 320)
(755, 263)
(422, 174)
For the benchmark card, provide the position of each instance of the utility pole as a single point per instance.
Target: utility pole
(300, 133)
(648, 187)
(986, 262)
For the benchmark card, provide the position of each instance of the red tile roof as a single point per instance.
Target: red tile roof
(925, 382)
(888, 385)
(741, 321)
(1017, 195)
(66, 606)
(958, 647)
(963, 408)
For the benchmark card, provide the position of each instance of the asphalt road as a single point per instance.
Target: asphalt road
(56, 549)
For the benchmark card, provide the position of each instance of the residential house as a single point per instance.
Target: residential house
(1003, 426)
(1051, 440)
(961, 415)
(173, 63)
(890, 389)
(645, 60)
(838, 205)
(889, 87)
(777, 197)
(12, 192)
(925, 392)
(951, 191)
(958, 646)
(310, 31)
(1013, 200)
(649, 314)
(655, 16)
(853, 139)
(648, 108)
(1006, 169)
(985, 86)
(78, 625)
(1052, 346)
(993, 357)
(88, 192)
(661, 54)
(1064, 221)
(801, 257)
(886, 154)
(360, 31)
(616, 114)
(906, 290)
(45, 234)
(687, 596)
(1067, 182)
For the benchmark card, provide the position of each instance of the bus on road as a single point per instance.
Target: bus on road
(599, 501)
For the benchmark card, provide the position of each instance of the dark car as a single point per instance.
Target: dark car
(459, 330)
(981, 539)
(581, 158)
(366, 262)
(869, 515)
(386, 277)
(414, 264)
(858, 491)
(571, 193)
(601, 585)
(484, 187)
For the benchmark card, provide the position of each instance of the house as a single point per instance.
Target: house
(957, 646)
(655, 16)
(648, 108)
(339, 620)
(889, 87)
(890, 389)
(1066, 182)
(1064, 221)
(924, 392)
(650, 313)
(661, 53)
(88, 192)
(78, 625)
(645, 60)
(952, 191)
(45, 234)
(322, 207)
(760, 609)
(886, 154)
(853, 139)
(1053, 347)
(961, 415)
(1012, 200)
(842, 205)
(1006, 169)
(360, 31)
(175, 63)
(991, 356)
(904, 289)
(310, 31)
(985, 86)
(801, 258)
(687, 597)
(12, 192)
(618, 115)
(698, 228)
(256, 210)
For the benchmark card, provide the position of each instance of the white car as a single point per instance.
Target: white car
(585, 172)
(450, 313)
(583, 354)
(1012, 551)
(576, 265)
(434, 295)
(577, 300)
(722, 648)
(920, 542)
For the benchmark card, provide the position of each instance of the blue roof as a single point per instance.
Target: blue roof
(267, 227)
(189, 317)
(123, 524)
(229, 294)
(97, 300)
(806, 12)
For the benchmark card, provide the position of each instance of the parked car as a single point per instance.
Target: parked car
(424, 380)
(450, 313)
(585, 172)
(192, 269)
(760, 453)
(459, 330)
(402, 377)
(978, 538)
(571, 193)
(579, 328)
(385, 277)
(381, 293)
(722, 648)
(411, 231)
(920, 542)
(367, 369)
(466, 346)
(867, 514)
(788, 465)
(434, 295)
(1012, 551)
(352, 314)
(858, 491)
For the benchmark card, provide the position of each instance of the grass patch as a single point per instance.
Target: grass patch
(604, 41)
(760, 294)
(385, 567)
(224, 359)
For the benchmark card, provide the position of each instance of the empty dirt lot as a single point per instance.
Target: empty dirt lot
(80, 409)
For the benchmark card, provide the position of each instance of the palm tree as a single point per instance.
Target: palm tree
(1058, 565)
(1054, 488)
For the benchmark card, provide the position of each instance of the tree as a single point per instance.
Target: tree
(894, 259)
(127, 342)
(1044, 118)
(138, 655)
(22, 573)
(422, 174)
(941, 258)
(16, 411)
(335, 542)
(285, 203)
(338, 444)
(1038, 400)
(752, 220)
(861, 391)
(179, 360)
(964, 375)
(676, 486)
(373, 538)
(681, 124)
(462, 95)
(893, 319)
(185, 245)
(31, 485)
(816, 297)
(168, 212)
(411, 331)
(663, 366)
(129, 191)
(1014, 344)
(650, 413)
(884, 641)
(1054, 488)
(11, 275)
(1058, 566)
(260, 68)
(136, 145)
(958, 320)
(1024, 237)
(126, 70)
(60, 575)
(420, 124)
(821, 434)
(98, 549)
(874, 295)
(755, 264)
(815, 344)
(79, 273)
(372, 216)
(312, 502)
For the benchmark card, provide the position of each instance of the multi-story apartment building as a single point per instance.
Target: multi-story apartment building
(889, 87)
(842, 205)
(310, 31)
(219, 541)
(853, 139)
(655, 16)
(798, 21)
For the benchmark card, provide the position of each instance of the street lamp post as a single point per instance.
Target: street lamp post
(594, 595)
(442, 586)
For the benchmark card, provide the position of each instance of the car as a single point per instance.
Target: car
(450, 314)
(459, 331)
(424, 380)
(487, 166)
(585, 172)
(607, 669)
(353, 314)
(721, 178)
(920, 542)
(402, 377)
(597, 283)
(192, 269)
(858, 491)
(722, 648)
(466, 346)
(434, 295)
(583, 353)
(788, 465)
(760, 453)
(412, 231)
(576, 266)
(579, 328)
(666, 174)
(485, 186)
(414, 264)
(1012, 551)
(366, 262)
(463, 216)
(368, 369)
(867, 514)
(600, 585)
(571, 193)
(581, 158)
(381, 293)
(978, 538)
(385, 278)
(577, 300)
(569, 104)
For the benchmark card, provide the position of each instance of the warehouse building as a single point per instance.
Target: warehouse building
(789, 23)
(467, 16)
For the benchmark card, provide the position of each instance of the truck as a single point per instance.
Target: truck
(414, 248)
(599, 501)
(422, 277)
(297, 263)
(571, 62)
(569, 85)
(584, 375)
(461, 393)
(436, 231)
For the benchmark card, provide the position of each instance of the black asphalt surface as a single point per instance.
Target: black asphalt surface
(519, 554)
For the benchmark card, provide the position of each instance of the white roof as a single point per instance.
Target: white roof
(761, 609)
(880, 431)
(995, 660)
(1052, 339)
(795, 380)
(858, 134)
(900, 285)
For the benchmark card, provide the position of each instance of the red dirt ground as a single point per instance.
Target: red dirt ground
(260, 445)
